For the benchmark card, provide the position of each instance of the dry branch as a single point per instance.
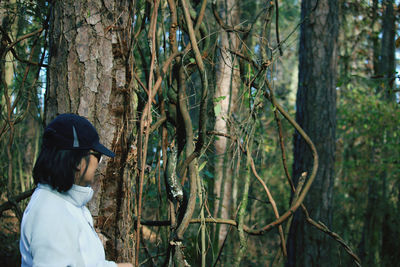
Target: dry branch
(273, 204)
(146, 120)
(12, 44)
(13, 200)
(227, 28)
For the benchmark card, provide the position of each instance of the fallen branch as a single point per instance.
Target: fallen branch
(13, 200)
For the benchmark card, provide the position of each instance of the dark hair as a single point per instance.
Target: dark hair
(57, 167)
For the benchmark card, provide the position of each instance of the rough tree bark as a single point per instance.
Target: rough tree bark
(390, 231)
(227, 86)
(316, 114)
(89, 74)
(387, 59)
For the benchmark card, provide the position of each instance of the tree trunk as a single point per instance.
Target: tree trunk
(11, 24)
(227, 86)
(89, 74)
(9, 20)
(316, 114)
(389, 243)
(387, 59)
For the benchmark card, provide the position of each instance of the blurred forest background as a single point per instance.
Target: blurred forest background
(199, 100)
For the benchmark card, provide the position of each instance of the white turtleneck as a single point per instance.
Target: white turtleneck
(57, 230)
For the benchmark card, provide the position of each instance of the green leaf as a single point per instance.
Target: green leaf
(217, 109)
(202, 165)
(220, 98)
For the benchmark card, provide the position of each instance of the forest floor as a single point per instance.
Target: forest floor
(9, 240)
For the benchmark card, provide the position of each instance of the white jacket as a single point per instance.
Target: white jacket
(57, 230)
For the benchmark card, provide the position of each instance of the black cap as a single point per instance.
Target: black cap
(70, 131)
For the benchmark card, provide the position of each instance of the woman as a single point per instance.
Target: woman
(57, 227)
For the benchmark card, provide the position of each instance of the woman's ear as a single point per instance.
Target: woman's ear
(79, 169)
(81, 165)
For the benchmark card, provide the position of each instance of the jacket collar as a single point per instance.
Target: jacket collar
(77, 195)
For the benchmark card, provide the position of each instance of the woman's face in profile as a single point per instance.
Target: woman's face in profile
(88, 177)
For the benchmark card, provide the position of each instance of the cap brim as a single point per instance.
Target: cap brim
(103, 150)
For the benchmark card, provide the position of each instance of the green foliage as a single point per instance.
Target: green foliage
(368, 147)
(368, 144)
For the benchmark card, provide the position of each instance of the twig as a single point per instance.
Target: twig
(236, 53)
(189, 150)
(304, 192)
(174, 25)
(277, 27)
(300, 23)
(202, 121)
(164, 69)
(202, 224)
(227, 28)
(295, 205)
(200, 16)
(222, 246)
(322, 227)
(243, 205)
(300, 184)
(307, 186)
(273, 204)
(146, 119)
(15, 199)
(142, 85)
(27, 61)
(158, 123)
(149, 257)
(231, 222)
(12, 44)
(203, 77)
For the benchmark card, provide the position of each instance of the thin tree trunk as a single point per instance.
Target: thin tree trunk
(228, 82)
(316, 114)
(13, 23)
(8, 20)
(370, 240)
(89, 74)
(387, 58)
(389, 243)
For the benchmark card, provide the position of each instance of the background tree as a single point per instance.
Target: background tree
(226, 96)
(316, 114)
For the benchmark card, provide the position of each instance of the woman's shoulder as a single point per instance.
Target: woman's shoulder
(47, 210)
(45, 199)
